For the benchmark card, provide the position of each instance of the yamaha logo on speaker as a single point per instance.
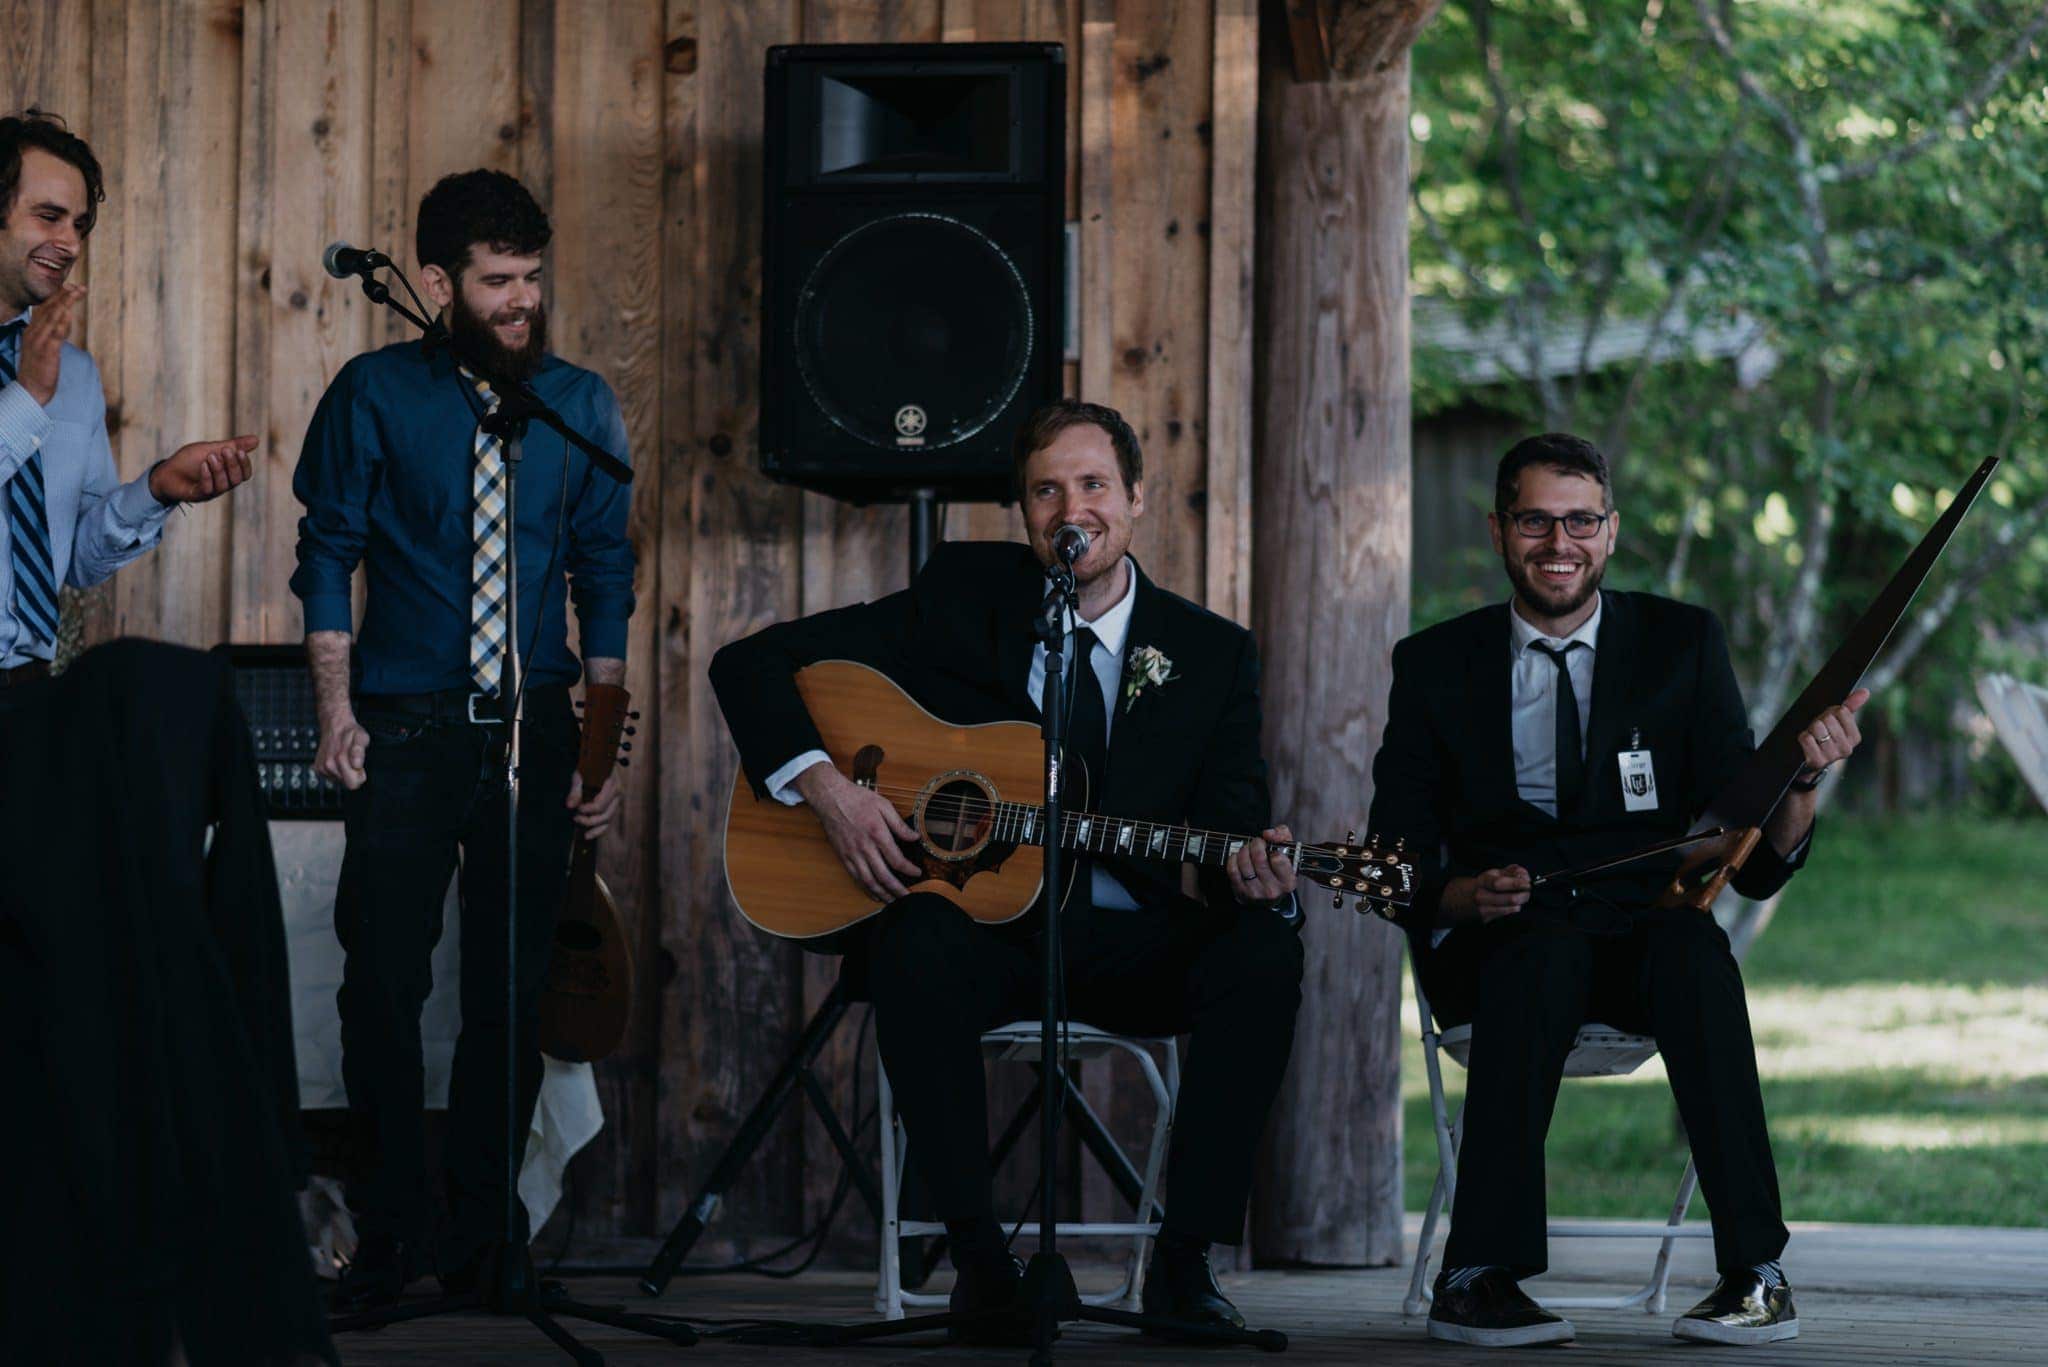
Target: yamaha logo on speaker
(910, 425)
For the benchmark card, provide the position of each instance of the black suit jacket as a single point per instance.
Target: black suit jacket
(959, 641)
(1444, 778)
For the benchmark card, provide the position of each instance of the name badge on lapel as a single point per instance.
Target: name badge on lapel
(1638, 778)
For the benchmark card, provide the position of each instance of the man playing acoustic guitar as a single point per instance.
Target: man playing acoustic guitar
(1166, 719)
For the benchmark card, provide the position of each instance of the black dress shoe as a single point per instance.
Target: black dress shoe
(1492, 1311)
(988, 1285)
(1180, 1285)
(375, 1277)
(1741, 1310)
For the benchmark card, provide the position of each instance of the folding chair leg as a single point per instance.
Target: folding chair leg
(1660, 1276)
(1418, 1295)
(889, 1276)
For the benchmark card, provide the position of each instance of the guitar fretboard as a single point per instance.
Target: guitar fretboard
(1019, 823)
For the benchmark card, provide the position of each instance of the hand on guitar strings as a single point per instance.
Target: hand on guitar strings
(1260, 876)
(595, 816)
(864, 829)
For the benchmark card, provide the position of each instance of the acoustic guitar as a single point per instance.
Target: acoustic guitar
(587, 997)
(974, 795)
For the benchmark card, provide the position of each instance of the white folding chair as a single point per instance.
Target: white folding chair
(1599, 1051)
(1019, 1043)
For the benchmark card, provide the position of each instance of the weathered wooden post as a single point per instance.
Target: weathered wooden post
(1330, 580)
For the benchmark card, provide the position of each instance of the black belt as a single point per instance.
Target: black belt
(453, 704)
(28, 673)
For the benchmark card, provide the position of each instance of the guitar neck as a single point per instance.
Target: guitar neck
(604, 725)
(1019, 823)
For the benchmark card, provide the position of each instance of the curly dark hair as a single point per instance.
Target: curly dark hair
(1559, 451)
(46, 132)
(1047, 422)
(472, 207)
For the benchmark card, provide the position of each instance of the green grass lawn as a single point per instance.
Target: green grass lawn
(1900, 1006)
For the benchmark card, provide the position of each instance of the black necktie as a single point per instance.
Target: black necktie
(1571, 759)
(1088, 742)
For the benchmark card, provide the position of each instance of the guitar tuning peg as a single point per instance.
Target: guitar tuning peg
(1338, 901)
(635, 716)
(626, 745)
(632, 730)
(625, 763)
(1350, 836)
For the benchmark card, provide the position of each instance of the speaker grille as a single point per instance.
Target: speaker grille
(913, 332)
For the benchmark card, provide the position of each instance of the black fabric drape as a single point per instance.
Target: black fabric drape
(145, 1029)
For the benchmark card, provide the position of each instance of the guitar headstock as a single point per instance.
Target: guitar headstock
(1379, 880)
(607, 721)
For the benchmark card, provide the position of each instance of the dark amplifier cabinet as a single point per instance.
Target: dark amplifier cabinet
(276, 693)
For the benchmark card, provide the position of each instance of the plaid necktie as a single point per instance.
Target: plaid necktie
(487, 561)
(28, 524)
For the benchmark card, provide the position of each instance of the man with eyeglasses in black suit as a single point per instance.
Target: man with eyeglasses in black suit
(1569, 725)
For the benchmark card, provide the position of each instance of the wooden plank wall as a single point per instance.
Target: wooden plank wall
(241, 136)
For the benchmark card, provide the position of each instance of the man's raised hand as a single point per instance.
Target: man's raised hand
(42, 343)
(202, 470)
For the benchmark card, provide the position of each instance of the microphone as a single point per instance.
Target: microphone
(1069, 544)
(342, 260)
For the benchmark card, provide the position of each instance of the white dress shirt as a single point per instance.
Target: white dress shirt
(1532, 701)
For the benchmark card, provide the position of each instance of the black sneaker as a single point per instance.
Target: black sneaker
(1492, 1311)
(1741, 1310)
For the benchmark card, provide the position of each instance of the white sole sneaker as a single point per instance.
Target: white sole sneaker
(1706, 1331)
(1524, 1336)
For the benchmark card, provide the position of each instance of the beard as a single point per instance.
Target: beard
(478, 347)
(1548, 599)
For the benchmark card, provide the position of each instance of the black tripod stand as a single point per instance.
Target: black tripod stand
(508, 1285)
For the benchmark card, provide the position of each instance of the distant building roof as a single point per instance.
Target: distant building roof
(1495, 353)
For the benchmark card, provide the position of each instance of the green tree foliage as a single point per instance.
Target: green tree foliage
(1859, 181)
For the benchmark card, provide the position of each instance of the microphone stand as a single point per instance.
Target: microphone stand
(508, 1285)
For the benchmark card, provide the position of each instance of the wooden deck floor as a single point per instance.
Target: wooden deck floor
(1866, 1295)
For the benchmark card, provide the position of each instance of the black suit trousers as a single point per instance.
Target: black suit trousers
(1526, 984)
(1230, 981)
(435, 788)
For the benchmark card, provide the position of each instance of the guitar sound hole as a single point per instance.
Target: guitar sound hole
(957, 817)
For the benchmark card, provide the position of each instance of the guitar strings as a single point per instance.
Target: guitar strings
(958, 808)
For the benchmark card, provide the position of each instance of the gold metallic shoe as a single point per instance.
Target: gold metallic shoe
(1741, 1311)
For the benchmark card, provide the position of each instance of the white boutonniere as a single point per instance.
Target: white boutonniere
(1146, 666)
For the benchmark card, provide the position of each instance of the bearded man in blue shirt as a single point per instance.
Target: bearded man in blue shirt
(398, 475)
(65, 517)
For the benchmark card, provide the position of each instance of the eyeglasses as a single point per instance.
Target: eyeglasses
(1577, 526)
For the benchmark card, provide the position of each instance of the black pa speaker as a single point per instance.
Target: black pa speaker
(913, 257)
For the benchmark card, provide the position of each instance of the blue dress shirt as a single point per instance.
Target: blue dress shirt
(97, 523)
(385, 476)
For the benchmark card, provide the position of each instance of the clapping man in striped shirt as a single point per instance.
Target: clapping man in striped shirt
(67, 518)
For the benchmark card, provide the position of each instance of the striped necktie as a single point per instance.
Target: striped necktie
(487, 561)
(28, 524)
